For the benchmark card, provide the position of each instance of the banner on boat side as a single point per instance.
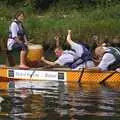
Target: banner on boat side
(41, 75)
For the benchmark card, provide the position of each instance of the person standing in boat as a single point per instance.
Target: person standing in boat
(17, 39)
(78, 57)
(110, 58)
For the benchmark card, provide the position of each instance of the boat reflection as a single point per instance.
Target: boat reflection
(114, 86)
(88, 100)
(21, 104)
(59, 100)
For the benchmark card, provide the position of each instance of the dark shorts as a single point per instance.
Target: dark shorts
(19, 47)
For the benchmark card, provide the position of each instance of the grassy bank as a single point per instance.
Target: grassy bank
(42, 27)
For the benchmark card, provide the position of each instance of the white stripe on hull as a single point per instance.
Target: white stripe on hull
(37, 75)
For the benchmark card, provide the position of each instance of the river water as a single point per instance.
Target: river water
(52, 100)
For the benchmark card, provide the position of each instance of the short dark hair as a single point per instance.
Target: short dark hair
(18, 13)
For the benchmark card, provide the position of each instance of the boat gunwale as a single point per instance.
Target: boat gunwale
(63, 69)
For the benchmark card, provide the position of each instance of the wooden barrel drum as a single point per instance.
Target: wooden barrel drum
(35, 52)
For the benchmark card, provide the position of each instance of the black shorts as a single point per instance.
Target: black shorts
(19, 47)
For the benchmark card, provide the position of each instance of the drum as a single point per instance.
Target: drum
(35, 52)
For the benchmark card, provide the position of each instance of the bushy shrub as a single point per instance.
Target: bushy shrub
(11, 2)
(42, 4)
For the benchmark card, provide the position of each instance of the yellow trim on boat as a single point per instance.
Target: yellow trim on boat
(60, 74)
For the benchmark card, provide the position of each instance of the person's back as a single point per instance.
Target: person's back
(83, 54)
(115, 51)
(85, 61)
(110, 58)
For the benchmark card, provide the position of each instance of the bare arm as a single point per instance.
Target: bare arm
(26, 40)
(69, 40)
(57, 41)
(48, 62)
(94, 68)
(17, 40)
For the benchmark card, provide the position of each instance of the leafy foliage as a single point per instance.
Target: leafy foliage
(74, 4)
(11, 2)
(84, 17)
(70, 4)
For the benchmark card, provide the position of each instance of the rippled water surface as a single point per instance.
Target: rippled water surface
(50, 100)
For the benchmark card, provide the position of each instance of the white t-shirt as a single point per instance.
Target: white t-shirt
(107, 60)
(87, 64)
(69, 56)
(14, 30)
(78, 48)
(65, 58)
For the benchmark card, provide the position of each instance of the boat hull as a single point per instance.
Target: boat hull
(66, 75)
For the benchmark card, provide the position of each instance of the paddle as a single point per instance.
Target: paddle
(110, 75)
(82, 71)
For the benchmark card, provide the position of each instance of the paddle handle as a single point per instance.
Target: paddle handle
(82, 71)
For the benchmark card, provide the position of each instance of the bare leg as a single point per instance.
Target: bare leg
(23, 55)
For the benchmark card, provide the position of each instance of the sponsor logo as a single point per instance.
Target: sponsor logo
(11, 73)
(11, 84)
(61, 76)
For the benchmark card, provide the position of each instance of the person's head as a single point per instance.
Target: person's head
(58, 52)
(99, 51)
(95, 37)
(106, 42)
(19, 16)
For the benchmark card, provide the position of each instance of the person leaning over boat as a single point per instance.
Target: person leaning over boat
(110, 58)
(78, 57)
(17, 39)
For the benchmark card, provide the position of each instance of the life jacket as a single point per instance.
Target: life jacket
(115, 51)
(86, 56)
(21, 31)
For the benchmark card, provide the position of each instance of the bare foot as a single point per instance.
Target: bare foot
(24, 66)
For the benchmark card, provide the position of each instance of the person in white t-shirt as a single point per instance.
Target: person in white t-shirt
(110, 58)
(76, 58)
(17, 38)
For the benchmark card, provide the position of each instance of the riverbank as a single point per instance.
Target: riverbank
(41, 28)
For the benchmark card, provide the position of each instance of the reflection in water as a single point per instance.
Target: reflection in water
(47, 100)
(115, 86)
